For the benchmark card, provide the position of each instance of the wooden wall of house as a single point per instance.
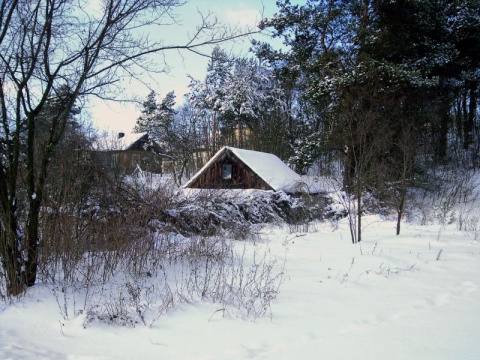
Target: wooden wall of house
(126, 161)
(242, 176)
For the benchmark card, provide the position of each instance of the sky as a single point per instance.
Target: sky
(121, 117)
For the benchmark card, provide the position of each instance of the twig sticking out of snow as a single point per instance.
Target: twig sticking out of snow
(439, 253)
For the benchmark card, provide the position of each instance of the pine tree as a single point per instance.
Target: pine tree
(440, 40)
(236, 94)
(166, 113)
(149, 114)
(157, 118)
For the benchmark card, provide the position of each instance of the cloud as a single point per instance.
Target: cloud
(243, 17)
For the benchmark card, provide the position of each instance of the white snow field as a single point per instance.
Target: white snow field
(412, 296)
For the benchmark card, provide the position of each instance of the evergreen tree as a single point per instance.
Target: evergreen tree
(149, 114)
(237, 95)
(354, 97)
(440, 40)
(166, 113)
(317, 35)
(424, 53)
(156, 118)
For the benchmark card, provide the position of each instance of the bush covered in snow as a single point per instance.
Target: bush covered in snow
(210, 212)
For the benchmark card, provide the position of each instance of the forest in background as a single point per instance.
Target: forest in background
(379, 93)
(376, 88)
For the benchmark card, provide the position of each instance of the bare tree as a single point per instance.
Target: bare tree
(185, 142)
(367, 137)
(50, 45)
(403, 169)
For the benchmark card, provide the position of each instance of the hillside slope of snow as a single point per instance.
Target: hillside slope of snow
(413, 296)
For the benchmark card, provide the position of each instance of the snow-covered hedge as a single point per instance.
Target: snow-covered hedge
(211, 212)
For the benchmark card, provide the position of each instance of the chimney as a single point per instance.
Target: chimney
(121, 135)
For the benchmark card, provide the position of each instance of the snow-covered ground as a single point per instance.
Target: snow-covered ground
(413, 296)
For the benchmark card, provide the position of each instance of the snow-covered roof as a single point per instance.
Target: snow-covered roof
(122, 143)
(267, 166)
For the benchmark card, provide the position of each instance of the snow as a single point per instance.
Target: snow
(412, 296)
(118, 143)
(270, 168)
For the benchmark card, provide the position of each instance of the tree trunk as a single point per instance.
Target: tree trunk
(472, 110)
(401, 206)
(349, 170)
(467, 140)
(459, 119)
(11, 255)
(32, 242)
(443, 136)
(359, 216)
(214, 133)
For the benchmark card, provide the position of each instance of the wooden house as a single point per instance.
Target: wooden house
(232, 168)
(130, 152)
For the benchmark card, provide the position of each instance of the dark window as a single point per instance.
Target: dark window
(226, 171)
